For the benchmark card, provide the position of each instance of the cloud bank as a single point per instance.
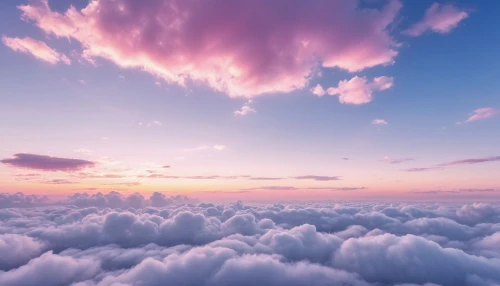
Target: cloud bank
(113, 239)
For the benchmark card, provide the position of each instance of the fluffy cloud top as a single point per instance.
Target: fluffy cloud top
(439, 18)
(46, 163)
(243, 49)
(38, 49)
(128, 240)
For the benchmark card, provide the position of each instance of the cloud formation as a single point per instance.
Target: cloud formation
(36, 48)
(438, 18)
(47, 163)
(481, 114)
(357, 90)
(244, 50)
(112, 239)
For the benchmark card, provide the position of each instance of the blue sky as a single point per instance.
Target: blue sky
(439, 79)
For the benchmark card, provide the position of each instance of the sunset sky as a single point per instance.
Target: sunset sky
(254, 100)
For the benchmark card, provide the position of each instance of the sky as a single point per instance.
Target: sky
(251, 100)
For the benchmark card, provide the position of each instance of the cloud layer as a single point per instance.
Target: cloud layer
(112, 239)
(243, 49)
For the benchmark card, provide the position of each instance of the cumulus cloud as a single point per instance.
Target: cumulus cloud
(114, 239)
(358, 90)
(481, 114)
(242, 50)
(438, 18)
(36, 48)
(47, 163)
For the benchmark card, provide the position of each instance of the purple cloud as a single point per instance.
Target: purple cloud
(47, 163)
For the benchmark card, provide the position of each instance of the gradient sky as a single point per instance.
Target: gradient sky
(331, 99)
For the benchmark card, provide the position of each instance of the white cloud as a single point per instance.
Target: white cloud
(219, 147)
(244, 110)
(358, 90)
(379, 122)
(114, 239)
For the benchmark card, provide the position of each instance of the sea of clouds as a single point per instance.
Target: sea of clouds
(113, 239)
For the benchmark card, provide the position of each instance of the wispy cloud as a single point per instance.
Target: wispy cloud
(379, 122)
(481, 114)
(453, 163)
(83, 151)
(47, 163)
(36, 48)
(396, 160)
(317, 178)
(439, 18)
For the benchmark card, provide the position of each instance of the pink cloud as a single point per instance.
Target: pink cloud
(481, 113)
(242, 48)
(379, 122)
(36, 48)
(358, 90)
(318, 90)
(438, 18)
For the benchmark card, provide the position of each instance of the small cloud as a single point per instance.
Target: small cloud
(438, 18)
(358, 90)
(317, 178)
(83, 151)
(104, 138)
(165, 166)
(219, 147)
(121, 77)
(244, 110)
(58, 182)
(423, 169)
(379, 122)
(265, 178)
(36, 48)
(397, 160)
(158, 123)
(318, 90)
(82, 82)
(481, 114)
(345, 158)
(47, 163)
(157, 83)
